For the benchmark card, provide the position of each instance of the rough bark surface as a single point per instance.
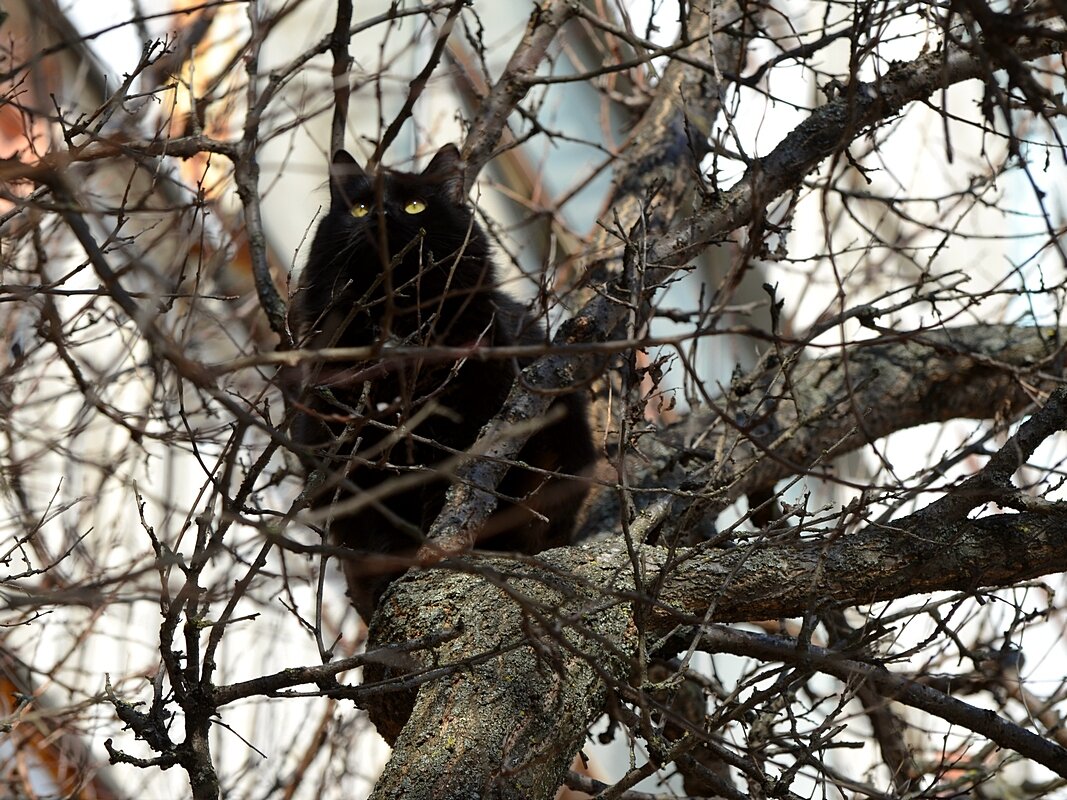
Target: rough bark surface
(506, 723)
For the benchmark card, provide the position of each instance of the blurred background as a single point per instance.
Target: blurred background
(947, 215)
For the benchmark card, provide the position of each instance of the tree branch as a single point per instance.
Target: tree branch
(799, 417)
(829, 129)
(581, 603)
(339, 40)
(467, 507)
(545, 22)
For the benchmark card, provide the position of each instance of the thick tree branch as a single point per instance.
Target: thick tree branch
(802, 416)
(516, 735)
(661, 146)
(538, 689)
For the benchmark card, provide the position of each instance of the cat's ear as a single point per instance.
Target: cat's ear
(446, 167)
(343, 168)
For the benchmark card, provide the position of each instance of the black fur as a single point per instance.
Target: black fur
(418, 279)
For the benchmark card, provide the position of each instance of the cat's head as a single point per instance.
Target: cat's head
(407, 240)
(353, 188)
(426, 211)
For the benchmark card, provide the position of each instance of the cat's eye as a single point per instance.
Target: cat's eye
(360, 210)
(415, 206)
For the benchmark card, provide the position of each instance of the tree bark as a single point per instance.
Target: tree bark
(540, 648)
(507, 723)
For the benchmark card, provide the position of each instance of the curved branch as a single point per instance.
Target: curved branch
(829, 129)
(802, 416)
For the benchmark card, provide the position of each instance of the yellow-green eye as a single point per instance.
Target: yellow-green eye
(415, 207)
(360, 210)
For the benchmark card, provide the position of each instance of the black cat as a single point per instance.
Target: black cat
(399, 259)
